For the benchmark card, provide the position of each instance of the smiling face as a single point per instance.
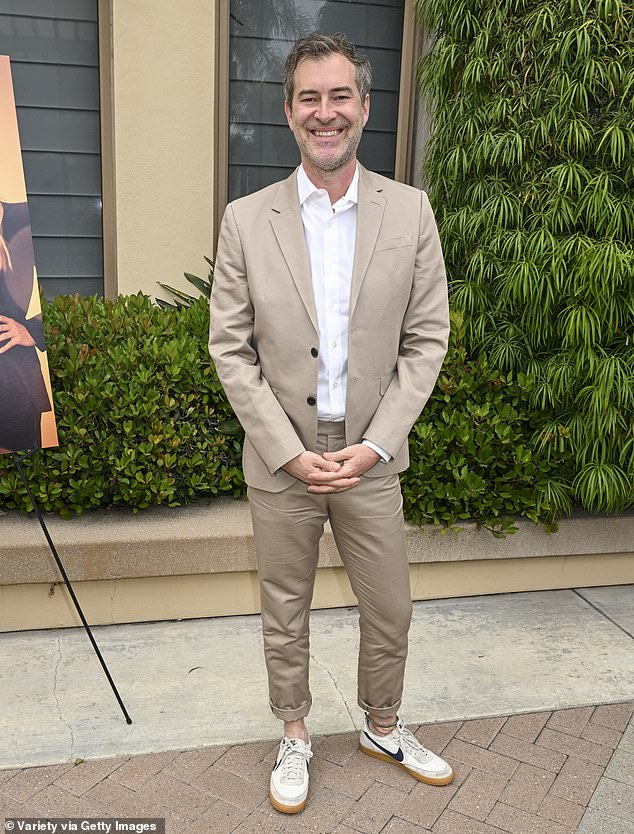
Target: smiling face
(327, 115)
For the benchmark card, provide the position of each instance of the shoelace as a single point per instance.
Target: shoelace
(414, 747)
(293, 759)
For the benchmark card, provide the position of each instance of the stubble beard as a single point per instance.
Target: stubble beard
(329, 164)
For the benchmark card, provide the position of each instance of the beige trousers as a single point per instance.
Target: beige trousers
(367, 523)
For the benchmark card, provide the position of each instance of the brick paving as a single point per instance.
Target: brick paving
(543, 773)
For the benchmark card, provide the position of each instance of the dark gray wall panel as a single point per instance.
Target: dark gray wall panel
(42, 129)
(65, 216)
(68, 286)
(36, 39)
(245, 179)
(73, 257)
(43, 85)
(371, 23)
(59, 173)
(73, 9)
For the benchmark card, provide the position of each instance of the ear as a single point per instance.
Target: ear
(366, 110)
(289, 114)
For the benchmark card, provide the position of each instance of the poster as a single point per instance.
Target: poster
(27, 420)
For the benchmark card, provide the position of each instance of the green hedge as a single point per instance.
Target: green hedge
(138, 409)
(143, 420)
(471, 451)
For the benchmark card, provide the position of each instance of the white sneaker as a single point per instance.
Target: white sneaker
(289, 780)
(402, 748)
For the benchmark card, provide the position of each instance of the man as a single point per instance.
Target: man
(329, 324)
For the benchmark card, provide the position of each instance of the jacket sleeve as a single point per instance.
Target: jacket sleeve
(423, 342)
(231, 345)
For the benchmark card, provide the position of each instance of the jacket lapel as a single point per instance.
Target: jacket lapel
(287, 225)
(370, 210)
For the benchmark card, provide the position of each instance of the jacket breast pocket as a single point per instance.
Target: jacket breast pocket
(393, 243)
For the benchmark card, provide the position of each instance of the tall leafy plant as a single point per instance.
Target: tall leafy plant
(531, 170)
(185, 299)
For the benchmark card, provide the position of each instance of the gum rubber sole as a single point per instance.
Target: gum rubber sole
(286, 809)
(428, 780)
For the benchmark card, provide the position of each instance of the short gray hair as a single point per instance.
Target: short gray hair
(317, 46)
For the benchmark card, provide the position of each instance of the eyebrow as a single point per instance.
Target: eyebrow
(333, 90)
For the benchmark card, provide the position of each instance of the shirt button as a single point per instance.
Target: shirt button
(334, 384)
(334, 344)
(314, 352)
(311, 401)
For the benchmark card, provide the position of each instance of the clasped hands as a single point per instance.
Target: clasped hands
(14, 333)
(332, 471)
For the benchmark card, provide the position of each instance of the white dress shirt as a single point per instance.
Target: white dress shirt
(330, 232)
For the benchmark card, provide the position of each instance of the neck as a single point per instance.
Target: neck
(336, 183)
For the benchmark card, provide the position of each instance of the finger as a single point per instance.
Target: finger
(343, 483)
(341, 455)
(328, 466)
(337, 482)
(8, 345)
(327, 489)
(321, 477)
(348, 469)
(316, 461)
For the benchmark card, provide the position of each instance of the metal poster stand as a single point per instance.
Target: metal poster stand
(17, 459)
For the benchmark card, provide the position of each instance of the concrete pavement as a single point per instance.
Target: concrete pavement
(517, 691)
(203, 682)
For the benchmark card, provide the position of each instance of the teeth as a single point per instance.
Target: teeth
(325, 132)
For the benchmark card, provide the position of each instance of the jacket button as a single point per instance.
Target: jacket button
(311, 401)
(314, 352)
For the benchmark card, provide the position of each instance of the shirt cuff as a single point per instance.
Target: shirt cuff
(381, 452)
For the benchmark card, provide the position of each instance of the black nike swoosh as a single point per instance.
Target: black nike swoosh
(398, 756)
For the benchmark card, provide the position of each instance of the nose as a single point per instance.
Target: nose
(324, 111)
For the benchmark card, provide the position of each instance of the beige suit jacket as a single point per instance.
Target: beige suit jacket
(264, 334)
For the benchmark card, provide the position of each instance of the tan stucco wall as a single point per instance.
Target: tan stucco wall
(163, 76)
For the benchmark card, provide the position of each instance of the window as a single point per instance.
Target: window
(260, 148)
(53, 46)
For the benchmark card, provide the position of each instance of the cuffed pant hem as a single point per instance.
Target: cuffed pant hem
(292, 714)
(392, 710)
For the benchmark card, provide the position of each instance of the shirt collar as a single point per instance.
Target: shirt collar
(305, 187)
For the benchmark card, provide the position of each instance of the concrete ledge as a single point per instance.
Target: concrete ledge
(144, 599)
(199, 561)
(217, 537)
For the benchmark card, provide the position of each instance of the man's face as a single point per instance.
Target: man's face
(327, 115)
